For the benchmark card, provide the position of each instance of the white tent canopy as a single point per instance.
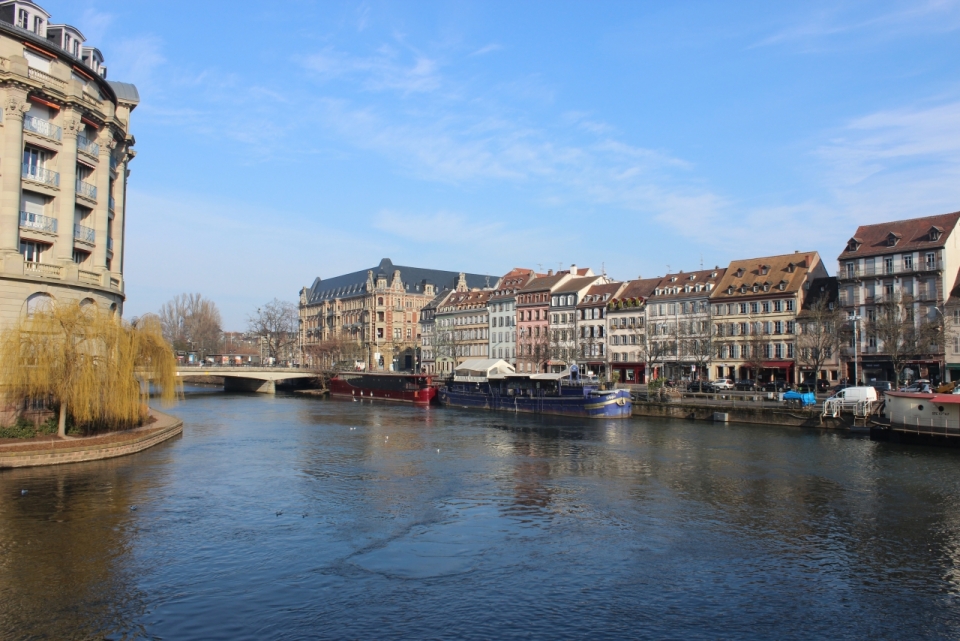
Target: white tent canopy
(482, 368)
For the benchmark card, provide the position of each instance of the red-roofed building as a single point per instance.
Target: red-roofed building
(592, 326)
(914, 261)
(626, 331)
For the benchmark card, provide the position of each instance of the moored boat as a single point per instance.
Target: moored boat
(494, 385)
(922, 418)
(406, 388)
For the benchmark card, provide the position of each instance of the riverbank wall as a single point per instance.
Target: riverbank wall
(739, 414)
(91, 448)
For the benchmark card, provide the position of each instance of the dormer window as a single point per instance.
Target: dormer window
(730, 290)
(783, 285)
(740, 273)
(791, 268)
(764, 270)
(693, 277)
(854, 244)
(743, 289)
(673, 279)
(935, 233)
(766, 287)
(892, 239)
(756, 288)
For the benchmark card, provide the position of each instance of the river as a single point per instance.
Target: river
(299, 518)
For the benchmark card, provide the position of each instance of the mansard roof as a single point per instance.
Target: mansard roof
(599, 295)
(783, 274)
(915, 234)
(413, 278)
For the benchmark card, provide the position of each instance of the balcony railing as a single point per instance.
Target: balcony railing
(84, 234)
(42, 127)
(91, 278)
(873, 270)
(38, 222)
(41, 175)
(112, 203)
(87, 146)
(45, 78)
(43, 270)
(86, 189)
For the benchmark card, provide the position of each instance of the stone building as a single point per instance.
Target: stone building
(462, 328)
(428, 314)
(626, 331)
(377, 310)
(66, 147)
(914, 262)
(755, 309)
(534, 348)
(503, 314)
(821, 289)
(592, 330)
(679, 340)
(564, 345)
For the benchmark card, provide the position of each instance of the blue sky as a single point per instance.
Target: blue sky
(279, 141)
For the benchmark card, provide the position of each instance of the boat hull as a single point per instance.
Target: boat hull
(383, 387)
(613, 404)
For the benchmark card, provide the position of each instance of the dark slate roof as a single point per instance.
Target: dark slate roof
(125, 91)
(826, 288)
(413, 278)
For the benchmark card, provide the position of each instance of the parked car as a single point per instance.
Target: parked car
(745, 386)
(705, 387)
(881, 386)
(850, 396)
(808, 386)
(779, 385)
(722, 383)
(917, 386)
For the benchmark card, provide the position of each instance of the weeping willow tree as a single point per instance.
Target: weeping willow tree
(95, 366)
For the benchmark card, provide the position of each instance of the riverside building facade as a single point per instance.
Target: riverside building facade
(66, 148)
(377, 309)
(503, 314)
(627, 333)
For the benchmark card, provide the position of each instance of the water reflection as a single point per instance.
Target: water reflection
(279, 517)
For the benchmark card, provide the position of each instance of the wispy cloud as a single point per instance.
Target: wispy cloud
(490, 48)
(821, 28)
(387, 69)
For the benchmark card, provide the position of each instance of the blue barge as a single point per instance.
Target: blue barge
(564, 393)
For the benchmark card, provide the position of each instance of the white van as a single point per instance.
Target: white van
(850, 396)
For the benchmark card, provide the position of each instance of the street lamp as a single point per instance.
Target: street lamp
(856, 345)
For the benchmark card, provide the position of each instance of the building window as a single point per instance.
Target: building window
(32, 252)
(789, 305)
(908, 262)
(766, 307)
(80, 257)
(23, 19)
(931, 260)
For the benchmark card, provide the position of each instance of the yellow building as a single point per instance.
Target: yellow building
(66, 145)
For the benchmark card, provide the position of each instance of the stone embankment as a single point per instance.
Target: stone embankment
(91, 448)
(759, 415)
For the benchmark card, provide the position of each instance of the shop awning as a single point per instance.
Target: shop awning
(778, 364)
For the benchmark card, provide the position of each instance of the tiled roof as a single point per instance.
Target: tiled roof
(468, 300)
(911, 235)
(767, 274)
(575, 284)
(413, 278)
(603, 293)
(674, 286)
(544, 284)
(513, 281)
(640, 288)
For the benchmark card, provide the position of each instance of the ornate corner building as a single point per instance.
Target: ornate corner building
(66, 145)
(377, 312)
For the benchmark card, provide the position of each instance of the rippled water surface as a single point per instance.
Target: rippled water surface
(293, 518)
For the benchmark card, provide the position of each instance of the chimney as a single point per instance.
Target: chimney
(549, 272)
(573, 269)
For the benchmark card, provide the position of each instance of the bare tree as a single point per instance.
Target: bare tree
(755, 349)
(190, 321)
(899, 334)
(276, 325)
(696, 343)
(822, 332)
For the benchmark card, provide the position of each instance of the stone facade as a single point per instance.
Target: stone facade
(503, 314)
(679, 340)
(462, 328)
(915, 261)
(755, 311)
(626, 329)
(66, 147)
(376, 312)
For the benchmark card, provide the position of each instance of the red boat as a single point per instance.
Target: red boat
(406, 388)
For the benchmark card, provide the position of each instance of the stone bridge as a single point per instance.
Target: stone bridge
(248, 379)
